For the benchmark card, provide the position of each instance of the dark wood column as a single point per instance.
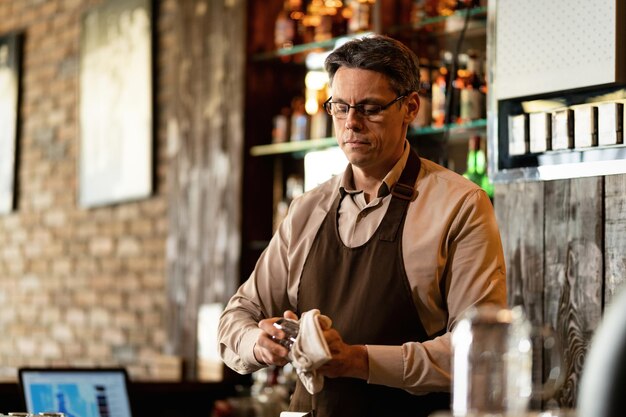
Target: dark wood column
(204, 119)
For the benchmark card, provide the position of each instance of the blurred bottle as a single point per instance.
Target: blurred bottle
(440, 84)
(417, 13)
(297, 14)
(299, 120)
(471, 170)
(280, 126)
(473, 93)
(360, 19)
(284, 28)
(446, 7)
(424, 116)
(458, 85)
(294, 186)
(477, 165)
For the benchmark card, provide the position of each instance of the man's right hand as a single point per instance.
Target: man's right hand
(266, 350)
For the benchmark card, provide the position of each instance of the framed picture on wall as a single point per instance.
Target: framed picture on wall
(9, 101)
(115, 103)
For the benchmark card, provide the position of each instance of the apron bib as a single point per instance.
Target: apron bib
(366, 292)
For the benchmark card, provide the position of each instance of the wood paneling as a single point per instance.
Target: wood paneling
(574, 270)
(205, 146)
(520, 216)
(555, 244)
(614, 235)
(519, 213)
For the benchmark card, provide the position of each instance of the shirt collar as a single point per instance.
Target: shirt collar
(347, 181)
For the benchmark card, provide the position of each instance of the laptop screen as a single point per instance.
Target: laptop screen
(76, 392)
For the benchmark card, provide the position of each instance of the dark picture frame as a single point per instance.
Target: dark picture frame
(9, 114)
(115, 103)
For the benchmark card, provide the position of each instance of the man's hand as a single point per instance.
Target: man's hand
(266, 350)
(347, 360)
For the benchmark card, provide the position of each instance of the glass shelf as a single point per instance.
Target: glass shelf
(455, 130)
(474, 12)
(293, 147)
(306, 47)
(330, 43)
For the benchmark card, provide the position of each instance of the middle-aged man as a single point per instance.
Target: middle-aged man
(393, 251)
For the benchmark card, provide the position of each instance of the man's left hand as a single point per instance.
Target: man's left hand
(347, 360)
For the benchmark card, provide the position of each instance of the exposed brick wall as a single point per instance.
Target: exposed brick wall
(77, 286)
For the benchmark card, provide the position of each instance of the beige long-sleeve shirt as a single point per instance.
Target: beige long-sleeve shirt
(452, 255)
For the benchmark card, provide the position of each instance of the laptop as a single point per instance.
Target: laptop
(76, 392)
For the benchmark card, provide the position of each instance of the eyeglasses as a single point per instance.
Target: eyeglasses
(369, 111)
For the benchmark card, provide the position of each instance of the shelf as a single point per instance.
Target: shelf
(293, 147)
(307, 47)
(329, 44)
(571, 163)
(460, 14)
(454, 130)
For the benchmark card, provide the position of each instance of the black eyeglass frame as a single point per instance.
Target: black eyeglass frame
(360, 108)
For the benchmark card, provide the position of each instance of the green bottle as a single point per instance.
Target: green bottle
(477, 166)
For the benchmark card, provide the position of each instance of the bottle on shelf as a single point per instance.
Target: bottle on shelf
(280, 126)
(417, 13)
(472, 97)
(446, 7)
(457, 84)
(323, 20)
(299, 120)
(424, 116)
(477, 165)
(284, 28)
(319, 17)
(316, 92)
(294, 186)
(440, 85)
(360, 15)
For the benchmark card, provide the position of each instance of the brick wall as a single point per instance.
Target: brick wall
(77, 286)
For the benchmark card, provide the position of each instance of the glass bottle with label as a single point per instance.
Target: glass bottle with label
(477, 165)
(284, 28)
(473, 93)
(439, 88)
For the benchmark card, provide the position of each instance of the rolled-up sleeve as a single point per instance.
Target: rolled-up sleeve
(263, 295)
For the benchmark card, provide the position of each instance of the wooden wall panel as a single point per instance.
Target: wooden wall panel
(556, 236)
(519, 211)
(614, 235)
(574, 270)
(205, 147)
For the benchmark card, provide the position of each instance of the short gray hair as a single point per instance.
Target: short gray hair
(378, 53)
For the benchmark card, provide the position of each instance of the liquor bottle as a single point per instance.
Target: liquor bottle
(417, 13)
(477, 165)
(361, 15)
(440, 84)
(297, 13)
(471, 173)
(472, 96)
(299, 120)
(425, 114)
(284, 28)
(458, 85)
(446, 7)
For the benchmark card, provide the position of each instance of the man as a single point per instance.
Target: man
(393, 251)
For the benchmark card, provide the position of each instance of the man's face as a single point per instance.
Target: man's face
(373, 145)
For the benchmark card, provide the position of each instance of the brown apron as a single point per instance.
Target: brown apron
(365, 291)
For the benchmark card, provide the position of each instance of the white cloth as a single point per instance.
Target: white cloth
(310, 350)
